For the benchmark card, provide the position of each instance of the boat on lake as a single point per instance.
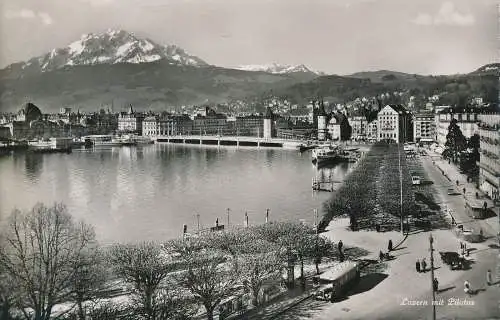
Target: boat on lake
(141, 139)
(306, 146)
(328, 153)
(110, 140)
(51, 145)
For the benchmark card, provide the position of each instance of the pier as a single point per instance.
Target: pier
(324, 184)
(231, 141)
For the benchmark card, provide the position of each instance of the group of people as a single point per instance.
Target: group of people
(468, 289)
(421, 266)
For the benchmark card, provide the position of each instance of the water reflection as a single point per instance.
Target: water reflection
(33, 165)
(149, 192)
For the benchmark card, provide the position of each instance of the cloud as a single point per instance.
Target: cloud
(46, 19)
(43, 17)
(98, 3)
(20, 14)
(446, 16)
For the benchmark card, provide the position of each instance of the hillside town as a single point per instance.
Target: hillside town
(425, 125)
(249, 160)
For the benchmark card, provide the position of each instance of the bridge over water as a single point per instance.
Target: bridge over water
(231, 141)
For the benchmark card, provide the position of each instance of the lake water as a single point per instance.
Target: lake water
(149, 192)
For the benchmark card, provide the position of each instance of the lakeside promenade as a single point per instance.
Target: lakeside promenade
(399, 292)
(491, 225)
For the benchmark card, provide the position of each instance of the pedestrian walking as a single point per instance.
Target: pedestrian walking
(381, 256)
(467, 288)
(417, 265)
(424, 265)
(489, 280)
(340, 245)
(389, 246)
(435, 284)
(465, 249)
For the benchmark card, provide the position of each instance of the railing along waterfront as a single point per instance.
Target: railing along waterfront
(229, 140)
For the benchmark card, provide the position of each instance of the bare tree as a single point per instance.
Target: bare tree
(41, 248)
(207, 273)
(88, 279)
(257, 268)
(146, 266)
(296, 238)
(7, 291)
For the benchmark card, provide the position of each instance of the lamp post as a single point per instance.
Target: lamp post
(198, 219)
(401, 188)
(431, 240)
(227, 210)
(316, 244)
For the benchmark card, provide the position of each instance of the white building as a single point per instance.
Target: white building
(394, 123)
(130, 122)
(322, 125)
(489, 163)
(424, 127)
(467, 119)
(150, 126)
(372, 130)
(268, 124)
(359, 127)
(333, 128)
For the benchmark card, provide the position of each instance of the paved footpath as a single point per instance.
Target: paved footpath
(385, 298)
(490, 226)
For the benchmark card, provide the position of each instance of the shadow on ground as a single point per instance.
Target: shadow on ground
(308, 309)
(367, 282)
(351, 253)
(446, 289)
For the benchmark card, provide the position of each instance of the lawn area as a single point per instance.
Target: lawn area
(370, 195)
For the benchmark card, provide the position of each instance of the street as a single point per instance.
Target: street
(405, 294)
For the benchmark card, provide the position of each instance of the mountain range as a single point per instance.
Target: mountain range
(278, 68)
(119, 66)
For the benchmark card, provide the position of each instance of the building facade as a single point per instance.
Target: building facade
(268, 124)
(209, 123)
(359, 127)
(322, 122)
(130, 122)
(394, 123)
(372, 130)
(424, 127)
(168, 125)
(467, 119)
(489, 163)
(252, 125)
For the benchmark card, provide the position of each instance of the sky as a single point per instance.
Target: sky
(333, 36)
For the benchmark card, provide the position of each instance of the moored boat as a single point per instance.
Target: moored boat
(109, 140)
(327, 153)
(142, 139)
(306, 146)
(52, 145)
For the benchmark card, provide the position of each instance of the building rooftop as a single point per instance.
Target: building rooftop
(269, 114)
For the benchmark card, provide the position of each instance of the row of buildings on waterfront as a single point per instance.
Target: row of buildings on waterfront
(392, 122)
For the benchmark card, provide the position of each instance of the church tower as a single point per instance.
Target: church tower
(268, 124)
(321, 122)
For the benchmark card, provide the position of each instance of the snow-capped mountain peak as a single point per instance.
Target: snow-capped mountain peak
(277, 68)
(111, 47)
